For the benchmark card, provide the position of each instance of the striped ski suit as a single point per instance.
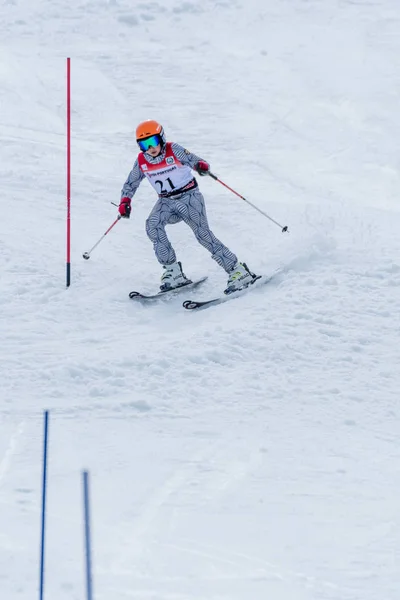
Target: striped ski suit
(175, 205)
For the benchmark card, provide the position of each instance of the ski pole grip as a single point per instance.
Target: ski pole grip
(212, 175)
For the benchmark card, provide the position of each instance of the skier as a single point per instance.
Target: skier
(167, 166)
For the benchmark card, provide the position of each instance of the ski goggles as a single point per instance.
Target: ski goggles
(149, 142)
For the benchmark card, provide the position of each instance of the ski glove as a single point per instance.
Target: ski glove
(124, 208)
(202, 167)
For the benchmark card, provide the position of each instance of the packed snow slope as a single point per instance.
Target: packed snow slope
(251, 450)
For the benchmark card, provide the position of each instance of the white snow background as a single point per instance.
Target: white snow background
(250, 451)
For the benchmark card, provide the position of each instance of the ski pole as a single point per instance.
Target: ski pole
(86, 255)
(284, 229)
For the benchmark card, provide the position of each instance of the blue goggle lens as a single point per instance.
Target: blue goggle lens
(154, 141)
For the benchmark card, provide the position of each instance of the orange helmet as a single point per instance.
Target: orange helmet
(149, 128)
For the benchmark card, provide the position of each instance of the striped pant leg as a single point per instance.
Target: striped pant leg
(191, 208)
(162, 214)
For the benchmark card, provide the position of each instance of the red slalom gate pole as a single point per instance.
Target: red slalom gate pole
(68, 172)
(284, 229)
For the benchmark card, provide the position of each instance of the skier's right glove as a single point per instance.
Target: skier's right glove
(124, 208)
(202, 167)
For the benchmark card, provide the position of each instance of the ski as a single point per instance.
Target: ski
(200, 305)
(173, 292)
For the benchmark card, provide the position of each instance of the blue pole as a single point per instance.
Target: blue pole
(44, 489)
(88, 552)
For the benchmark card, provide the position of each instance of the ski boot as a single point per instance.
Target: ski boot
(239, 278)
(173, 277)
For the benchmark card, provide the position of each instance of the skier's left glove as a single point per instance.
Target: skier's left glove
(202, 167)
(124, 208)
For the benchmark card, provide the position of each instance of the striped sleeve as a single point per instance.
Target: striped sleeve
(185, 156)
(133, 181)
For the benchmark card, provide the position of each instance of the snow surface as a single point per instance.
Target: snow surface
(250, 451)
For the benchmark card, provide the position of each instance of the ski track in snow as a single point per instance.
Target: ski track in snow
(250, 450)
